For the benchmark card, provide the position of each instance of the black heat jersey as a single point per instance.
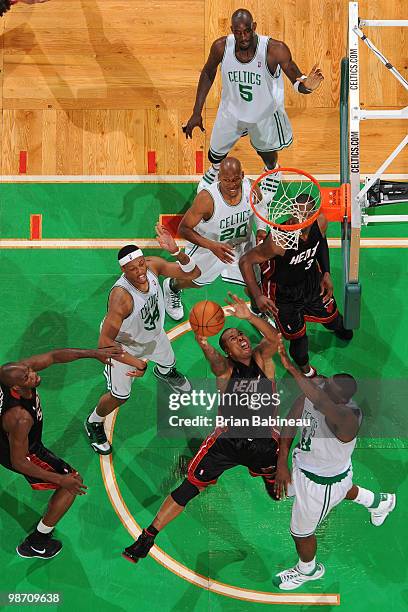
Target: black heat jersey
(296, 264)
(9, 399)
(245, 397)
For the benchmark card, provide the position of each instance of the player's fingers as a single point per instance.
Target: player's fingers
(230, 311)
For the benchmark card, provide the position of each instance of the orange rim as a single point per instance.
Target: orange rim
(296, 226)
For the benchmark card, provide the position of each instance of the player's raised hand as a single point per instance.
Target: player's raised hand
(286, 362)
(202, 341)
(314, 78)
(265, 304)
(140, 368)
(224, 252)
(282, 480)
(165, 239)
(195, 120)
(326, 287)
(237, 306)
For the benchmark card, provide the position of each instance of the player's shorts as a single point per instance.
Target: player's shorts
(272, 133)
(45, 459)
(159, 351)
(315, 497)
(299, 303)
(212, 267)
(219, 453)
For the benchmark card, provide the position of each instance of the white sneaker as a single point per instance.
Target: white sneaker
(269, 186)
(210, 177)
(292, 578)
(172, 302)
(385, 506)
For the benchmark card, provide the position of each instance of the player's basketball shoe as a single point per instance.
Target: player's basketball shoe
(43, 547)
(292, 578)
(97, 437)
(270, 185)
(175, 380)
(210, 177)
(172, 301)
(140, 548)
(385, 504)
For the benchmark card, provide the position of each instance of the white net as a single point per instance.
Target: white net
(287, 199)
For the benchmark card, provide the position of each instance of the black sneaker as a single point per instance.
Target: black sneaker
(344, 334)
(175, 380)
(97, 437)
(44, 548)
(140, 548)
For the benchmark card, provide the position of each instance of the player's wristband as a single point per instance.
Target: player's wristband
(176, 253)
(188, 267)
(297, 83)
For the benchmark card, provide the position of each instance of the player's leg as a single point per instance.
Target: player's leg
(225, 133)
(379, 505)
(210, 267)
(269, 136)
(165, 368)
(319, 311)
(40, 542)
(264, 460)
(119, 386)
(209, 463)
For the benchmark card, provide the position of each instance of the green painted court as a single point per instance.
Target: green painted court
(233, 534)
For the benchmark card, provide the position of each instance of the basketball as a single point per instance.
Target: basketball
(206, 318)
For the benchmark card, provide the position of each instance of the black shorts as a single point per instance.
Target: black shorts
(299, 303)
(219, 453)
(46, 460)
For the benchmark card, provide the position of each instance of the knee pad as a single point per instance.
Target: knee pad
(184, 493)
(214, 158)
(298, 350)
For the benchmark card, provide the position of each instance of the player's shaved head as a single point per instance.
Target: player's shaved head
(241, 16)
(231, 165)
(11, 373)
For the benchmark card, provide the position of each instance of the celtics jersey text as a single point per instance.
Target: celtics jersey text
(145, 322)
(249, 91)
(229, 224)
(319, 451)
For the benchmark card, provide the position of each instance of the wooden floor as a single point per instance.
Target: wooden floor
(90, 86)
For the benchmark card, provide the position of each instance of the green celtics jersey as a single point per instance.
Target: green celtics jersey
(249, 91)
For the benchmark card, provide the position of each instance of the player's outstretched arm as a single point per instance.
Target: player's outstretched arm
(66, 355)
(323, 258)
(287, 435)
(341, 419)
(207, 77)
(184, 268)
(219, 364)
(279, 53)
(262, 252)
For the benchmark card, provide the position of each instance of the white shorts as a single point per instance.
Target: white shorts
(314, 501)
(159, 351)
(272, 133)
(212, 267)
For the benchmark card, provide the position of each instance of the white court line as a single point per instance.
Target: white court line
(117, 243)
(152, 178)
(174, 566)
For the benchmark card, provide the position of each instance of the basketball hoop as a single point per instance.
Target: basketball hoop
(296, 204)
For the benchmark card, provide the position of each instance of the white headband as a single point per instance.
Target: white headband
(130, 257)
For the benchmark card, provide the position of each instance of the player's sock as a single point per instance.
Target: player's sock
(95, 418)
(307, 567)
(311, 373)
(270, 184)
(163, 369)
(43, 528)
(151, 531)
(365, 497)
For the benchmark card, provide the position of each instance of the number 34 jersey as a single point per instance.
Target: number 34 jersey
(229, 224)
(145, 322)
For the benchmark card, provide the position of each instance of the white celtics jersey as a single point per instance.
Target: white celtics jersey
(319, 451)
(146, 319)
(229, 224)
(249, 91)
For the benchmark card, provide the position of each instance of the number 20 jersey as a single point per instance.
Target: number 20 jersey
(229, 224)
(145, 322)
